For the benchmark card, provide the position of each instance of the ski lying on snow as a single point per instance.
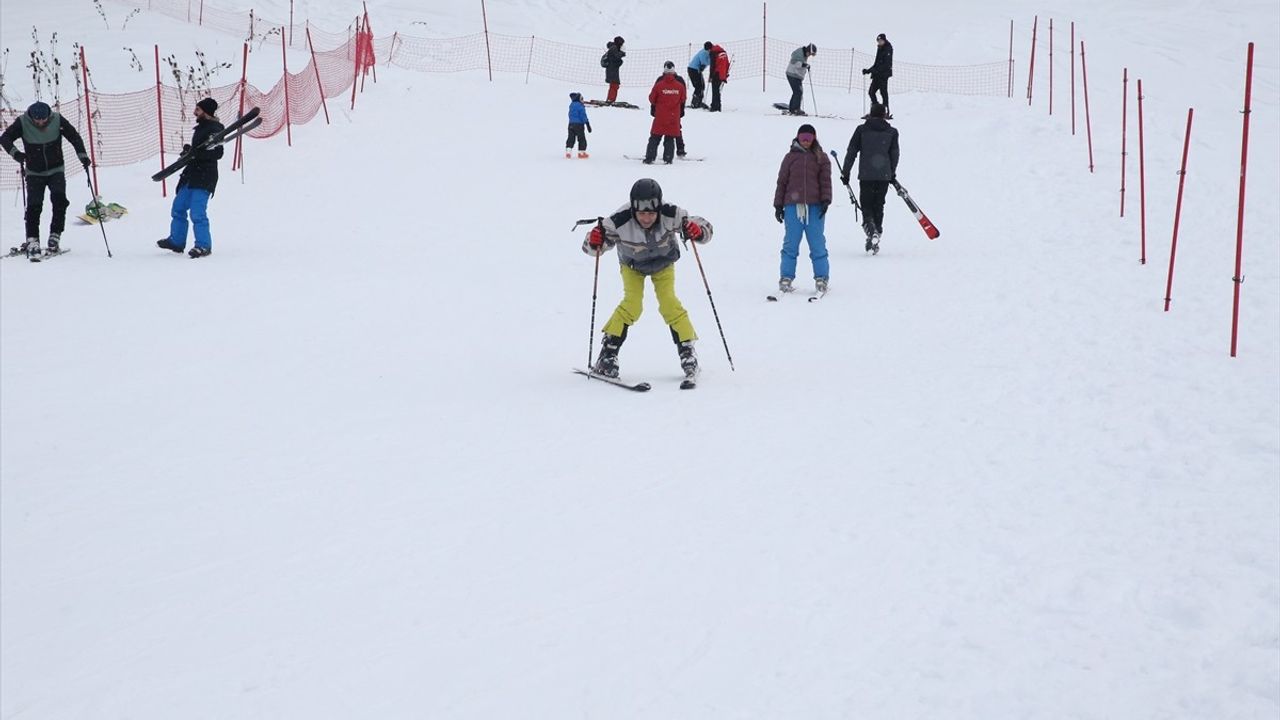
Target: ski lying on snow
(816, 295)
(638, 387)
(44, 256)
(678, 159)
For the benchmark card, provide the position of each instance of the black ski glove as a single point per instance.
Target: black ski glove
(20, 156)
(84, 160)
(823, 211)
(777, 213)
(866, 71)
(653, 111)
(588, 127)
(844, 179)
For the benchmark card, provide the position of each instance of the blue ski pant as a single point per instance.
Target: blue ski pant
(804, 220)
(196, 202)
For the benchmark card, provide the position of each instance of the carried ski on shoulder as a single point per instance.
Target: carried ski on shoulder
(240, 126)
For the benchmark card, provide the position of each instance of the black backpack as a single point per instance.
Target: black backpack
(604, 59)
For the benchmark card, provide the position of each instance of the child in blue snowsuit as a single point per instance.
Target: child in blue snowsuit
(578, 121)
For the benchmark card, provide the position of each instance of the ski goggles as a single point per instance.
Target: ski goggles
(806, 137)
(645, 205)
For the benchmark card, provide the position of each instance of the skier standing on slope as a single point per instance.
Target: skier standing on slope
(578, 121)
(646, 232)
(797, 68)
(701, 60)
(196, 185)
(880, 71)
(800, 202)
(666, 105)
(612, 62)
(41, 131)
(877, 141)
(719, 75)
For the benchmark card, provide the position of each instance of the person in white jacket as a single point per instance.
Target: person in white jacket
(797, 68)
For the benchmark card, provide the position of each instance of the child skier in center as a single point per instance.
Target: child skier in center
(646, 232)
(578, 121)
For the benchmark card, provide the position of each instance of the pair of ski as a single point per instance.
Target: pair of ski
(605, 103)
(926, 224)
(686, 384)
(786, 111)
(815, 296)
(16, 252)
(244, 124)
(655, 161)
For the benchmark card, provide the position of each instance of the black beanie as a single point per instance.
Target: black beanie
(882, 37)
(617, 40)
(706, 45)
(877, 110)
(209, 106)
(807, 128)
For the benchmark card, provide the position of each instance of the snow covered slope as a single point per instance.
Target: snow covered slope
(341, 469)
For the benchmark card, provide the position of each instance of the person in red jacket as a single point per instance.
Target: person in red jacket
(719, 75)
(666, 105)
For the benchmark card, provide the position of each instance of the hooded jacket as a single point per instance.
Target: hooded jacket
(877, 141)
(666, 103)
(202, 172)
(804, 177)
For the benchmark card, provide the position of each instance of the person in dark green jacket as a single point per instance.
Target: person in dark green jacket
(42, 131)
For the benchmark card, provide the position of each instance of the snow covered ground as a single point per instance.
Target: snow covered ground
(340, 469)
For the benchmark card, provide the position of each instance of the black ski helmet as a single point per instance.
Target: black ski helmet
(646, 194)
(39, 111)
(813, 49)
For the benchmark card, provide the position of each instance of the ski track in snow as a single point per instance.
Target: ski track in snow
(339, 469)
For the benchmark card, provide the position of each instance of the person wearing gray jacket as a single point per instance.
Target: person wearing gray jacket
(877, 141)
(647, 233)
(797, 68)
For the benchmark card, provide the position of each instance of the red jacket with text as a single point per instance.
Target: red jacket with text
(666, 103)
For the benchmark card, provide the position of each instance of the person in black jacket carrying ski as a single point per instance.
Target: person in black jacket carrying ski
(196, 185)
(880, 71)
(41, 131)
(877, 141)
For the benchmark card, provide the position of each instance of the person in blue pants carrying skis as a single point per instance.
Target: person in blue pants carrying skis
(578, 122)
(800, 202)
(196, 185)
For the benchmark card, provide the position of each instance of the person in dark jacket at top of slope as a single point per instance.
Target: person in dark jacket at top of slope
(701, 61)
(196, 185)
(880, 71)
(578, 121)
(647, 233)
(877, 142)
(800, 202)
(666, 105)
(612, 62)
(41, 131)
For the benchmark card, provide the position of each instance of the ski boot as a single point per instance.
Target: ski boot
(167, 244)
(784, 285)
(582, 155)
(870, 230)
(607, 364)
(688, 361)
(568, 153)
(54, 239)
(32, 247)
(25, 247)
(820, 283)
(199, 252)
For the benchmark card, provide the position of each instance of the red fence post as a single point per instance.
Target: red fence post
(319, 84)
(88, 110)
(1142, 179)
(528, 68)
(1177, 211)
(290, 23)
(1088, 127)
(764, 45)
(1237, 279)
(237, 156)
(1073, 77)
(355, 77)
(373, 58)
(1031, 71)
(488, 56)
(201, 22)
(1124, 127)
(1050, 66)
(396, 36)
(284, 59)
(164, 184)
(1010, 58)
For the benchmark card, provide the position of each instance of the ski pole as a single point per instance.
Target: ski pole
(22, 173)
(715, 314)
(595, 282)
(98, 205)
(812, 96)
(856, 206)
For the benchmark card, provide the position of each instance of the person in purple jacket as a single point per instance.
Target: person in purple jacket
(800, 202)
(578, 121)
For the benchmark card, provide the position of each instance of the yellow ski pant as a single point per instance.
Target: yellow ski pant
(632, 305)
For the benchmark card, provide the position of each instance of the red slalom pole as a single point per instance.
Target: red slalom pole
(1073, 77)
(1177, 212)
(88, 114)
(1010, 58)
(1142, 179)
(284, 63)
(1088, 128)
(1244, 162)
(1124, 125)
(1031, 72)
